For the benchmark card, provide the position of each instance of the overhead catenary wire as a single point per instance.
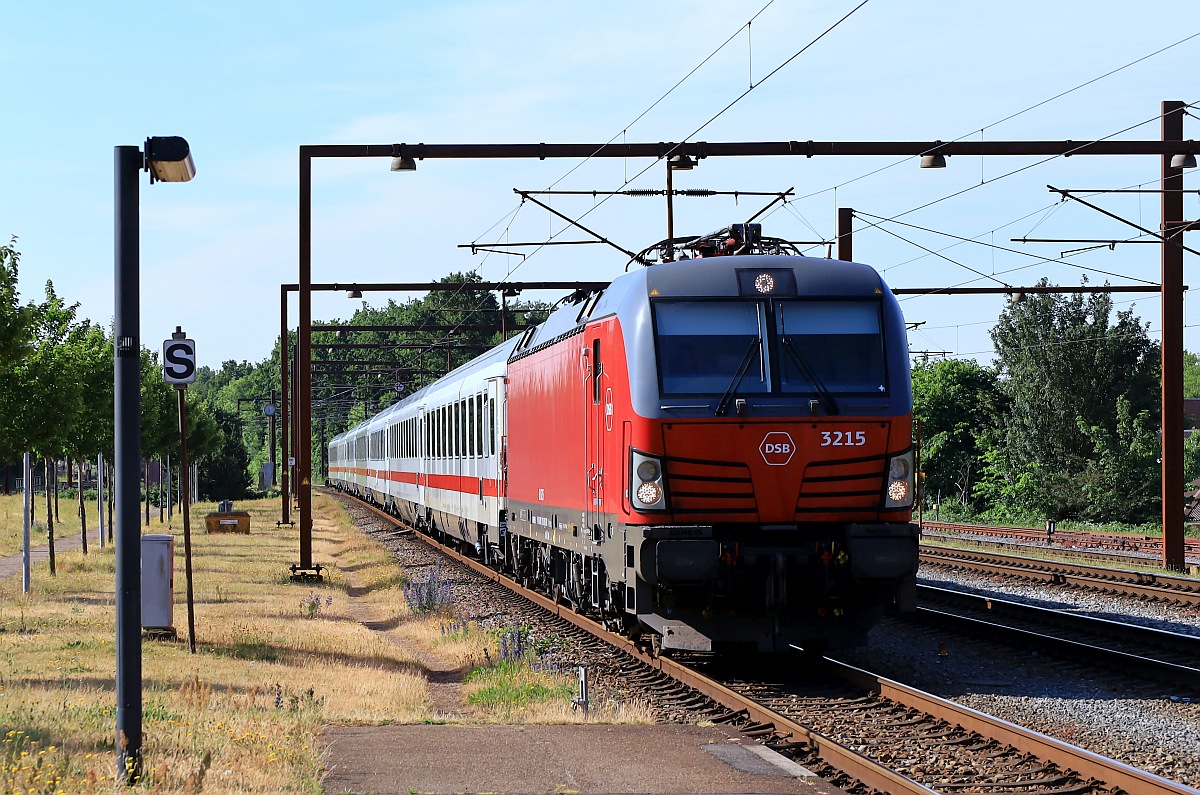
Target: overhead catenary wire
(512, 215)
(628, 180)
(1009, 117)
(1040, 259)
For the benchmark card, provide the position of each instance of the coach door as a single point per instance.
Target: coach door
(595, 400)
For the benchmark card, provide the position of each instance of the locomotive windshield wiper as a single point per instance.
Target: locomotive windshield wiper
(723, 406)
(823, 395)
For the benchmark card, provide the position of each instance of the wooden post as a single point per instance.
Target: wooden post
(184, 487)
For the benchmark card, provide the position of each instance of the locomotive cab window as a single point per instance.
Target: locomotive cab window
(837, 344)
(703, 345)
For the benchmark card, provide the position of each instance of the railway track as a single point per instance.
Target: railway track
(859, 730)
(1078, 544)
(1168, 657)
(1125, 582)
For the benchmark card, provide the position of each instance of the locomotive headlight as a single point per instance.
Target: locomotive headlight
(646, 489)
(764, 282)
(648, 470)
(900, 482)
(648, 493)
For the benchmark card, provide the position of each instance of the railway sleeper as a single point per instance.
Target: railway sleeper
(767, 731)
(730, 717)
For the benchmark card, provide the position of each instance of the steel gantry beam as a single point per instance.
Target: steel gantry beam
(1170, 144)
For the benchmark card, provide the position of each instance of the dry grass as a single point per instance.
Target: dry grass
(244, 714)
(12, 521)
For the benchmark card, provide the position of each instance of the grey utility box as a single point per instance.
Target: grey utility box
(158, 581)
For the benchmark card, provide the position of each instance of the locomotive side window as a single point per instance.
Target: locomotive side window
(837, 343)
(702, 346)
(596, 370)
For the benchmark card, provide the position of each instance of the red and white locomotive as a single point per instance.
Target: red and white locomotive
(710, 452)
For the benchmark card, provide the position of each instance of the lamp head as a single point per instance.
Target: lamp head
(1183, 160)
(401, 159)
(934, 160)
(681, 163)
(169, 159)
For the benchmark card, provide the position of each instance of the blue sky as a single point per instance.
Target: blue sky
(247, 83)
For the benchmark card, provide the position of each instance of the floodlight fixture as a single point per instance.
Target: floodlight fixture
(354, 293)
(169, 159)
(1183, 160)
(933, 160)
(681, 163)
(401, 159)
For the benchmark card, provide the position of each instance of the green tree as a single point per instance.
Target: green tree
(224, 471)
(959, 405)
(40, 396)
(1122, 481)
(15, 320)
(16, 337)
(1079, 385)
(1191, 375)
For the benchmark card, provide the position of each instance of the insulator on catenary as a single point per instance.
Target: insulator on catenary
(697, 192)
(643, 192)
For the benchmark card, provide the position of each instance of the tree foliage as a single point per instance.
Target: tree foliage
(1082, 397)
(56, 384)
(15, 320)
(41, 396)
(958, 404)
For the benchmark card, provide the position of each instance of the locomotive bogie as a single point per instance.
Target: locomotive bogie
(757, 492)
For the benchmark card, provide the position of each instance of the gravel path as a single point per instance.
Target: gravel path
(611, 688)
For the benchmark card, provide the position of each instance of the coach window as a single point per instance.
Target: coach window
(471, 426)
(464, 428)
(460, 428)
(492, 425)
(479, 426)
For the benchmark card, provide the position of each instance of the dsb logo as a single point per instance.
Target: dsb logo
(777, 448)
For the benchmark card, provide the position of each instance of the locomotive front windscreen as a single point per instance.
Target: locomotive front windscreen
(837, 342)
(781, 346)
(702, 345)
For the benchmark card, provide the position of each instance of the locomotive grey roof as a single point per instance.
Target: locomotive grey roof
(709, 276)
(716, 276)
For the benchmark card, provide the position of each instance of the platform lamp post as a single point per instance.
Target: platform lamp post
(168, 159)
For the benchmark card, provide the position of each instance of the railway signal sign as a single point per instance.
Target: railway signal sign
(179, 361)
